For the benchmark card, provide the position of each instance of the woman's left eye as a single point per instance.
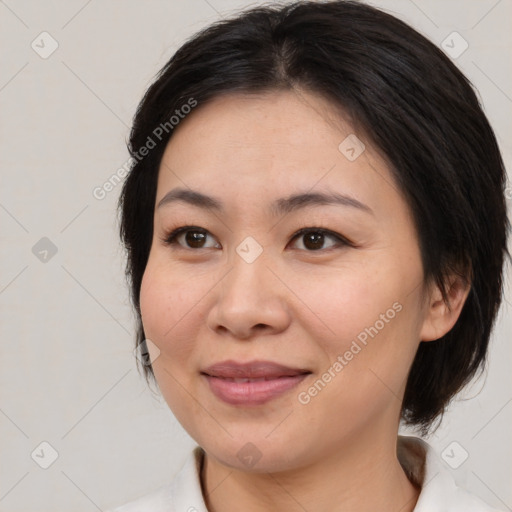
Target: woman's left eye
(313, 239)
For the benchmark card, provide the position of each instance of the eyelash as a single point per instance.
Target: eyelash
(169, 239)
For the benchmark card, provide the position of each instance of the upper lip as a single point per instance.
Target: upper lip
(251, 370)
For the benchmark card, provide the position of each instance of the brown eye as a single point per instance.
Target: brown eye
(313, 239)
(189, 237)
(195, 239)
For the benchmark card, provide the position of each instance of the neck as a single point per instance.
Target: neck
(360, 476)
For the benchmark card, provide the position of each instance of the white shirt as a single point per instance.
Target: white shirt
(439, 492)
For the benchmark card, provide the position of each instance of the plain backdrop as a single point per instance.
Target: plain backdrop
(71, 397)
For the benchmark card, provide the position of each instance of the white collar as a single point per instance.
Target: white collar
(439, 492)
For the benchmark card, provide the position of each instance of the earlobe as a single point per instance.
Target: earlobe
(441, 316)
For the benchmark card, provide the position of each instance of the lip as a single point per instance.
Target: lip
(251, 383)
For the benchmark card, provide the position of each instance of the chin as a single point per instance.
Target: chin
(255, 454)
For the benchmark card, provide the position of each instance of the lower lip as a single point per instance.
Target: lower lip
(252, 393)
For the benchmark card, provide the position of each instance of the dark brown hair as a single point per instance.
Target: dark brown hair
(409, 100)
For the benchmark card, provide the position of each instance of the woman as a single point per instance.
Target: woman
(316, 228)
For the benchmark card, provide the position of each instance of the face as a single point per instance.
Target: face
(334, 312)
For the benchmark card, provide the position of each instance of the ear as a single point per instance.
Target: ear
(440, 316)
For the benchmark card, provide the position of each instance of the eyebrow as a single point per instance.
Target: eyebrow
(278, 207)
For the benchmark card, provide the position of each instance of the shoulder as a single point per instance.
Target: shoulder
(439, 491)
(182, 494)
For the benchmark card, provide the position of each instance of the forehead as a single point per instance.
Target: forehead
(272, 143)
(270, 121)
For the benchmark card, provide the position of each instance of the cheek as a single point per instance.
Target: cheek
(156, 305)
(369, 318)
(170, 305)
(339, 304)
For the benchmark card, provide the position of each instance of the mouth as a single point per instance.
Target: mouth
(252, 383)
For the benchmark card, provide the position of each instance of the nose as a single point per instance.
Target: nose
(249, 301)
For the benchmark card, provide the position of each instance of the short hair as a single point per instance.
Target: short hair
(408, 99)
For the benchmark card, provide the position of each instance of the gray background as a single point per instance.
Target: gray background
(67, 369)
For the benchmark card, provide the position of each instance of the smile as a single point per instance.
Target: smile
(252, 383)
(245, 391)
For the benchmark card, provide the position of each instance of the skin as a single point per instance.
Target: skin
(293, 305)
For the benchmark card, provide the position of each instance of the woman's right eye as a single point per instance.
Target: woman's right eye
(188, 237)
